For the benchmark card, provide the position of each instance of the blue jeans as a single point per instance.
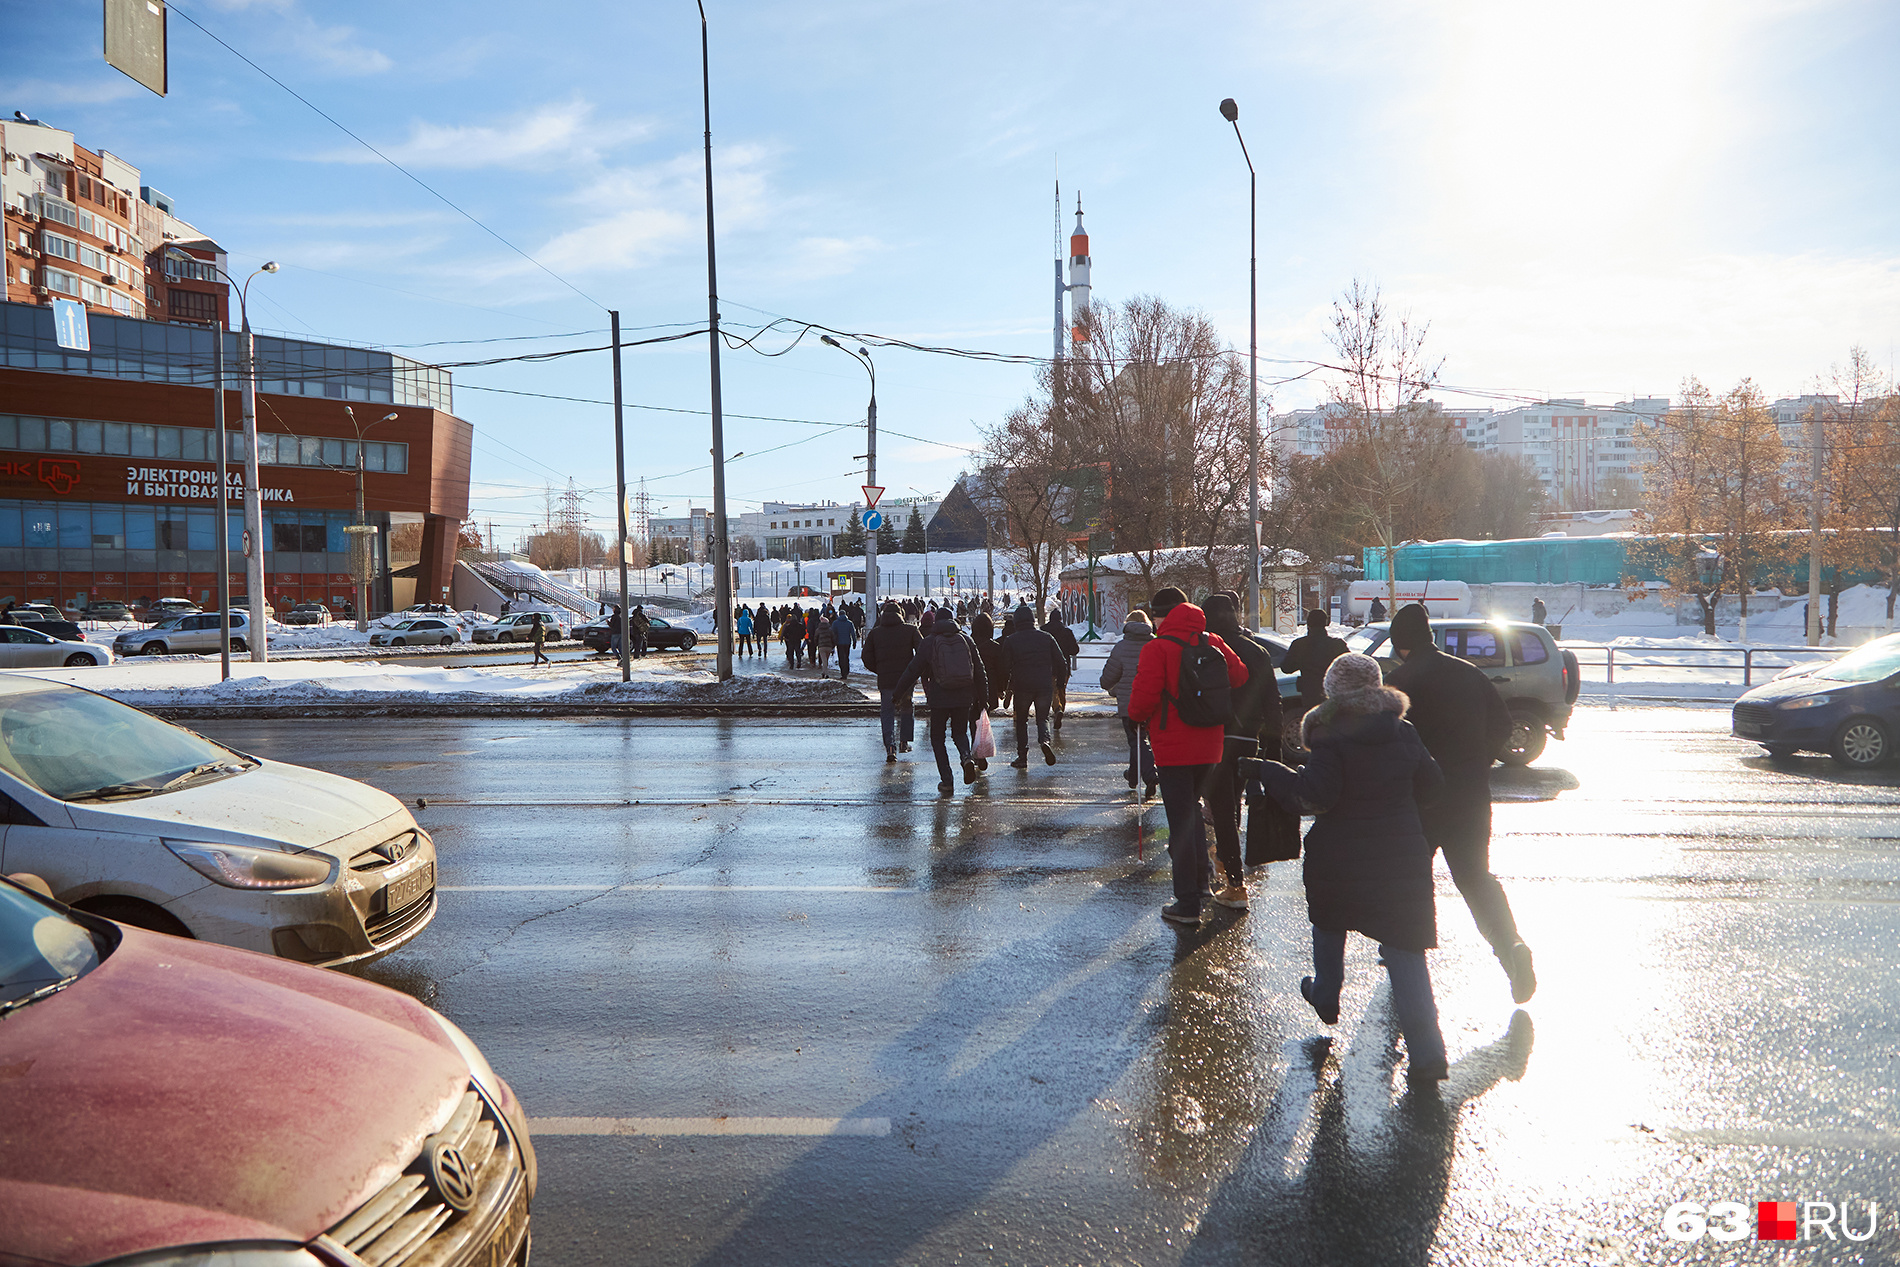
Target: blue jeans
(1141, 758)
(1411, 992)
(891, 709)
(1187, 834)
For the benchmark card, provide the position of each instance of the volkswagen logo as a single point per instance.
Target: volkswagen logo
(450, 1175)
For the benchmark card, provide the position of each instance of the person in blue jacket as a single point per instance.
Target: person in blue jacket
(843, 633)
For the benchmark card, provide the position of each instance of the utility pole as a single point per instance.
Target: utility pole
(1814, 526)
(722, 583)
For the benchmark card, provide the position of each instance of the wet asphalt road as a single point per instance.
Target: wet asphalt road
(1036, 1069)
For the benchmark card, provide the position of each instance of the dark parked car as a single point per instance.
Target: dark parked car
(661, 636)
(47, 619)
(108, 611)
(308, 614)
(1849, 709)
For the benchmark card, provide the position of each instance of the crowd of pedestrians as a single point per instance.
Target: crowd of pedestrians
(1392, 770)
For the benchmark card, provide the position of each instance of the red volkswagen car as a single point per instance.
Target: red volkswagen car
(167, 1101)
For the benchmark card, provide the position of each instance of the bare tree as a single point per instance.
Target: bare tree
(1398, 445)
(1031, 473)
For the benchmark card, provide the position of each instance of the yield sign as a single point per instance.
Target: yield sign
(871, 493)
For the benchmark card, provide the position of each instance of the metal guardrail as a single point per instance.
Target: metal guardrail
(1747, 656)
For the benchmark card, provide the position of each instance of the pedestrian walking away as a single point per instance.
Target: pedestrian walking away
(1183, 688)
(843, 635)
(791, 632)
(1118, 679)
(1464, 723)
(540, 640)
(1376, 612)
(948, 665)
(1071, 649)
(1256, 713)
(1036, 666)
(825, 640)
(889, 648)
(1368, 866)
(743, 628)
(1310, 656)
(1539, 613)
(995, 661)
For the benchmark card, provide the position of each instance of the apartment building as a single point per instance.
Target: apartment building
(80, 224)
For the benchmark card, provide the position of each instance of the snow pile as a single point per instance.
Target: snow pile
(189, 682)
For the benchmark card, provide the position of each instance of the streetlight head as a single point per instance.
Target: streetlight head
(1229, 111)
(177, 253)
(390, 417)
(825, 338)
(862, 351)
(270, 266)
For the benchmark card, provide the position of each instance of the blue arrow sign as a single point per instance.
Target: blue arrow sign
(874, 520)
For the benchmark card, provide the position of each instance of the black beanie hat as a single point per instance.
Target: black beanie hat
(1221, 607)
(1411, 628)
(1166, 599)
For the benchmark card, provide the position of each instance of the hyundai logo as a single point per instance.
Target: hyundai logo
(450, 1176)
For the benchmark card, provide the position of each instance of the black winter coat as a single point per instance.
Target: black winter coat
(889, 648)
(1368, 867)
(939, 696)
(1458, 713)
(1257, 708)
(1064, 636)
(1310, 656)
(1036, 662)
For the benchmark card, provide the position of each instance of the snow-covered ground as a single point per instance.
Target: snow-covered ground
(190, 681)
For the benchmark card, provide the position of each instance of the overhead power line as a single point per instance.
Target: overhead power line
(444, 198)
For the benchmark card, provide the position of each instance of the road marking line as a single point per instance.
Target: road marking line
(669, 888)
(877, 1127)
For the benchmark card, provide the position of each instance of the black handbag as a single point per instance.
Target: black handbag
(1273, 834)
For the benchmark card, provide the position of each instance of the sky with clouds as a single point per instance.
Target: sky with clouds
(1583, 200)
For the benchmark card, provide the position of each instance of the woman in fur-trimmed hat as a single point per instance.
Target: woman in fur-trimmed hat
(1368, 867)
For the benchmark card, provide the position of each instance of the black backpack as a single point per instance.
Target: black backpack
(1203, 696)
(950, 661)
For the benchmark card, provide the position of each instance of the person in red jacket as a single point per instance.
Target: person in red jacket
(1184, 755)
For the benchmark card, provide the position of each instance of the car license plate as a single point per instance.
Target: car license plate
(1747, 728)
(405, 889)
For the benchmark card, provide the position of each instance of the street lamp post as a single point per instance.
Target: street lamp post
(1231, 112)
(862, 357)
(253, 502)
(360, 531)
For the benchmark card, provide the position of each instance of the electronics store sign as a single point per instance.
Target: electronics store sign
(182, 483)
(67, 476)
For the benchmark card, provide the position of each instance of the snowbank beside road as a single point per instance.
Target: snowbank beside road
(192, 683)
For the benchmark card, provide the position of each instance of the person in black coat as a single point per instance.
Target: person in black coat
(1376, 612)
(887, 651)
(1368, 866)
(1310, 656)
(1464, 723)
(995, 663)
(1256, 713)
(1035, 665)
(944, 652)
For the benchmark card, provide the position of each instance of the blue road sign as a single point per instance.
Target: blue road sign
(874, 519)
(69, 325)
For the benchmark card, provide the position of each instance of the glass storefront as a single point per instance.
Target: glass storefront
(28, 433)
(60, 551)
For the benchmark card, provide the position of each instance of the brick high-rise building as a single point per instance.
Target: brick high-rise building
(80, 225)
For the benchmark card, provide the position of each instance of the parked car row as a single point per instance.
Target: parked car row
(142, 861)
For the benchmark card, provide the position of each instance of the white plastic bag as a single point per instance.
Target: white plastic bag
(985, 737)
